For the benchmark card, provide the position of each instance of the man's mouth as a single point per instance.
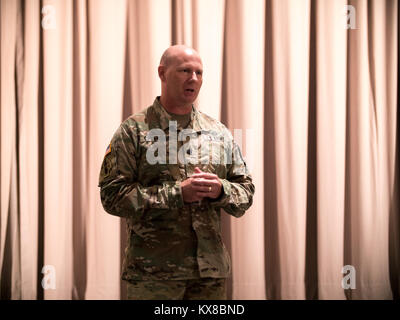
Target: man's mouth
(189, 90)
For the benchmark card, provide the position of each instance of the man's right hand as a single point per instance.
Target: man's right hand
(189, 193)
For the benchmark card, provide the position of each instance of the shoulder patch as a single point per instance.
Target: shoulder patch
(108, 167)
(108, 150)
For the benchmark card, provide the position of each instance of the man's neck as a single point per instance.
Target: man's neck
(174, 108)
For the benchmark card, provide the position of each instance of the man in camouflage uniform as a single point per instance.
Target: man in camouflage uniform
(169, 170)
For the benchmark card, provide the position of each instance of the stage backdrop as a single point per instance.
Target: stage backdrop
(312, 86)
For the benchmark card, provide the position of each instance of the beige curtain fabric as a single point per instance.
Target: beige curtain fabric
(308, 88)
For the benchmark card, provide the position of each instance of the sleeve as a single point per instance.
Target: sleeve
(238, 188)
(121, 192)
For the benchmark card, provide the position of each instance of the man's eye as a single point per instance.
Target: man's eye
(199, 73)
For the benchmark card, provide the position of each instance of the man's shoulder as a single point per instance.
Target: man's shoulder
(137, 118)
(211, 122)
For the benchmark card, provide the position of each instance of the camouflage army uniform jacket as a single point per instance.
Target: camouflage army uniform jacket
(167, 238)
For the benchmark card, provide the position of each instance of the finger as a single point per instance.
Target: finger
(195, 197)
(205, 183)
(204, 175)
(200, 182)
(197, 170)
(202, 188)
(202, 194)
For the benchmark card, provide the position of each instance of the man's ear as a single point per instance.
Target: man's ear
(161, 72)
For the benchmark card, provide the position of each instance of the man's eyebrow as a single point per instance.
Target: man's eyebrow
(186, 67)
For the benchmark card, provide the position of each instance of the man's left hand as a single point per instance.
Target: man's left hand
(206, 184)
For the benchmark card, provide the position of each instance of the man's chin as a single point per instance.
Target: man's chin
(189, 101)
(193, 98)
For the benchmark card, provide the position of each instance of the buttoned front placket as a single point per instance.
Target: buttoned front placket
(197, 214)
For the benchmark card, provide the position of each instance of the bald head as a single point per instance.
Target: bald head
(175, 52)
(181, 75)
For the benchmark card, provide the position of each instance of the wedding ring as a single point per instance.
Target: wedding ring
(209, 189)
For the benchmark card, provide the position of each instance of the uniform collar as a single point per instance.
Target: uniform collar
(158, 117)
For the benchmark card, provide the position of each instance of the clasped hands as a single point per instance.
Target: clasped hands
(201, 185)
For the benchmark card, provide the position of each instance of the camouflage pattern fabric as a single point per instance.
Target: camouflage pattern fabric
(167, 238)
(194, 289)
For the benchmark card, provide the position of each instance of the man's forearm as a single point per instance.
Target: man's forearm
(236, 197)
(123, 199)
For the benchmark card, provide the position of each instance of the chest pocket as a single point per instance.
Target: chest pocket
(199, 147)
(212, 148)
(212, 152)
(158, 158)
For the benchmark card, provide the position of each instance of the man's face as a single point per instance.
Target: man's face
(183, 78)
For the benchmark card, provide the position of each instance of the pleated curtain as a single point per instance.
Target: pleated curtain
(308, 89)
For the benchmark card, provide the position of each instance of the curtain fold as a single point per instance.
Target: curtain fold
(80, 142)
(10, 280)
(105, 97)
(291, 84)
(330, 50)
(244, 66)
(57, 126)
(310, 97)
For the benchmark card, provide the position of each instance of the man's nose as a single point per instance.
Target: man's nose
(194, 76)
